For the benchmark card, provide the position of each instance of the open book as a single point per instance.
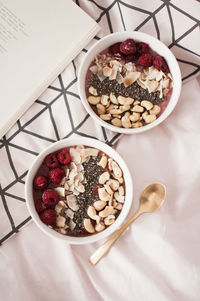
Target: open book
(38, 38)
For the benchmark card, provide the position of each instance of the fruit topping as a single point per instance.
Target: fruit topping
(64, 157)
(40, 182)
(146, 60)
(115, 48)
(128, 47)
(41, 206)
(50, 197)
(56, 175)
(142, 47)
(48, 217)
(160, 64)
(51, 161)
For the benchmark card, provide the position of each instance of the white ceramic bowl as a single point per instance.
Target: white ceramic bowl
(157, 46)
(87, 142)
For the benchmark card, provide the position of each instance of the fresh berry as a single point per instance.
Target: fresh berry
(132, 57)
(146, 59)
(51, 161)
(64, 156)
(142, 47)
(48, 217)
(50, 197)
(128, 47)
(56, 175)
(40, 206)
(160, 63)
(115, 48)
(40, 182)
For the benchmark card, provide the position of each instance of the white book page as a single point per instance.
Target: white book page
(37, 40)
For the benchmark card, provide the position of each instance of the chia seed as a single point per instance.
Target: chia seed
(134, 91)
(87, 198)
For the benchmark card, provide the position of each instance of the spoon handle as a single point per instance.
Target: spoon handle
(101, 251)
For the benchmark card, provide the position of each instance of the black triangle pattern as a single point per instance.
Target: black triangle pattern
(32, 126)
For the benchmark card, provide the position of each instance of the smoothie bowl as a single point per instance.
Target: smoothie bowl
(129, 82)
(78, 190)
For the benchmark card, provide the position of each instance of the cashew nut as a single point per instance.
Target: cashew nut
(107, 211)
(138, 109)
(116, 169)
(98, 205)
(125, 100)
(108, 189)
(109, 220)
(121, 190)
(110, 161)
(147, 104)
(100, 109)
(126, 122)
(113, 99)
(136, 124)
(99, 227)
(118, 206)
(124, 108)
(60, 221)
(105, 116)
(104, 100)
(91, 212)
(114, 184)
(134, 117)
(104, 177)
(103, 195)
(93, 100)
(155, 110)
(149, 118)
(115, 112)
(119, 198)
(88, 225)
(116, 122)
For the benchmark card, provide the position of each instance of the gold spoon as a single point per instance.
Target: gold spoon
(150, 200)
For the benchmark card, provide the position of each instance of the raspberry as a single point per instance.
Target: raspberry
(48, 217)
(128, 47)
(160, 63)
(142, 47)
(132, 57)
(50, 197)
(56, 175)
(51, 161)
(115, 48)
(64, 156)
(40, 182)
(146, 59)
(40, 206)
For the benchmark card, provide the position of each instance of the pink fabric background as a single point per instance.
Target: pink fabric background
(157, 259)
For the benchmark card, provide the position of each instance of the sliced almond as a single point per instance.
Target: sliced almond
(60, 221)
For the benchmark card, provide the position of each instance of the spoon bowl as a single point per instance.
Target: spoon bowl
(151, 199)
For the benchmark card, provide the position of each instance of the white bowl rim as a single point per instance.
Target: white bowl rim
(91, 142)
(140, 36)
